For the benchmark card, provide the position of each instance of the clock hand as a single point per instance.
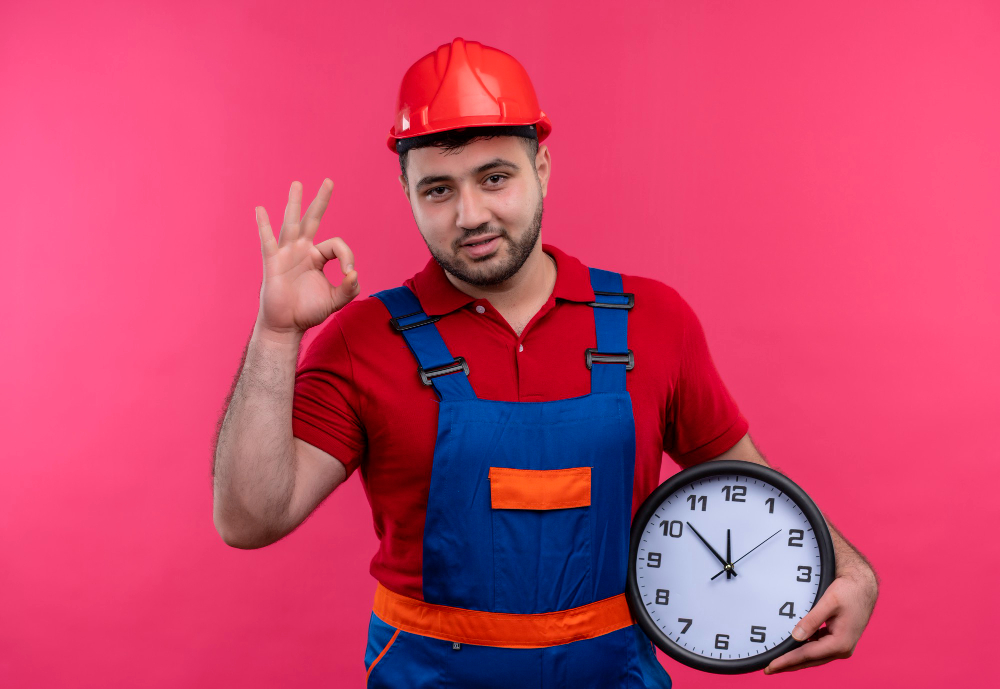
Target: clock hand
(729, 555)
(719, 557)
(758, 545)
(752, 549)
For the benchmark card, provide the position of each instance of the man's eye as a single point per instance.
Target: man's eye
(431, 191)
(501, 177)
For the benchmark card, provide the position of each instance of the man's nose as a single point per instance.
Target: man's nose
(472, 210)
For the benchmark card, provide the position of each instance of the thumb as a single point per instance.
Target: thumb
(820, 613)
(345, 291)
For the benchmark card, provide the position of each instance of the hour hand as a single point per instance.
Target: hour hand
(718, 557)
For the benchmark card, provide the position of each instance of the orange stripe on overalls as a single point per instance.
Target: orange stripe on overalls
(508, 630)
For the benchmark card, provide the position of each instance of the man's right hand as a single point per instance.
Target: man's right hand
(295, 294)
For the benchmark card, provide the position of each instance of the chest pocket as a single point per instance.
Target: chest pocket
(539, 489)
(542, 535)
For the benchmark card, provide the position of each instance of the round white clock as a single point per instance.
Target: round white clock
(725, 558)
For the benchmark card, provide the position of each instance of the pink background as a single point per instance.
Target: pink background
(820, 183)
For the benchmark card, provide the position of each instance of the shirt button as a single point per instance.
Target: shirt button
(480, 308)
(520, 348)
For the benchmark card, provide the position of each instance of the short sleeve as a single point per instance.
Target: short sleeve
(325, 408)
(703, 419)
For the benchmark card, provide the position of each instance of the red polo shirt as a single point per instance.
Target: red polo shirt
(358, 395)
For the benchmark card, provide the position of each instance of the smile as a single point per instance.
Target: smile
(483, 247)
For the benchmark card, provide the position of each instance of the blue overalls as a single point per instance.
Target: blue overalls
(499, 550)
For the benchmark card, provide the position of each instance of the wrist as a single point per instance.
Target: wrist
(289, 338)
(860, 572)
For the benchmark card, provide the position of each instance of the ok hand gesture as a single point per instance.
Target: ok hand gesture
(295, 294)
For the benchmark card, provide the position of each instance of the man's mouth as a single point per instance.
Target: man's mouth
(481, 240)
(481, 246)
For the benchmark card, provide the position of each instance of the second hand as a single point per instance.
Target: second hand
(751, 550)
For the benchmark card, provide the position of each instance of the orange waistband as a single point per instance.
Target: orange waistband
(508, 630)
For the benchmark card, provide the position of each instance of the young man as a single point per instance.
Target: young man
(508, 408)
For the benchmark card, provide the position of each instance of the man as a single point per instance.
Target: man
(508, 408)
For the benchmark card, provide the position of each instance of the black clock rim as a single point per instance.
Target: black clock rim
(670, 486)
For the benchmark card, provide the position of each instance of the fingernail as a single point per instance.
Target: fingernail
(798, 634)
(350, 267)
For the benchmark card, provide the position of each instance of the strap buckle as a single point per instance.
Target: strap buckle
(458, 364)
(592, 356)
(600, 305)
(394, 322)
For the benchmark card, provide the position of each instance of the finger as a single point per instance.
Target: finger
(827, 648)
(310, 221)
(293, 213)
(346, 290)
(800, 666)
(335, 247)
(268, 245)
(824, 609)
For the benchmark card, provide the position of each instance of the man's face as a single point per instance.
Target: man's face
(478, 209)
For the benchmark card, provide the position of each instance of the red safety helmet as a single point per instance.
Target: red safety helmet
(465, 84)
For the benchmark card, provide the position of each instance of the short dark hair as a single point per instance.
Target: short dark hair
(457, 139)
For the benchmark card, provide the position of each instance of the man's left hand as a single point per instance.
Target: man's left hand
(845, 607)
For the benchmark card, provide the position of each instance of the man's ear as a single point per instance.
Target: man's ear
(406, 188)
(543, 167)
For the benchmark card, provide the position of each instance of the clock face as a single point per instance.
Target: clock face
(727, 558)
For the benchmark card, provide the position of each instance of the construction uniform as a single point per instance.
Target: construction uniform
(527, 529)
(521, 558)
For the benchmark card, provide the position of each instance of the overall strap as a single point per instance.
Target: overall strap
(437, 367)
(612, 358)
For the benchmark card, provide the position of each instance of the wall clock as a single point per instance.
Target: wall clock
(725, 558)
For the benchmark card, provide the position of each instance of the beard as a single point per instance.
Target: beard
(503, 270)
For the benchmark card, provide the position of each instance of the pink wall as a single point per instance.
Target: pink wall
(820, 183)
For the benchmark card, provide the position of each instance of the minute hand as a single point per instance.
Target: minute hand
(719, 557)
(751, 550)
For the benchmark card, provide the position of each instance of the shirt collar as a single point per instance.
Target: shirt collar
(439, 297)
